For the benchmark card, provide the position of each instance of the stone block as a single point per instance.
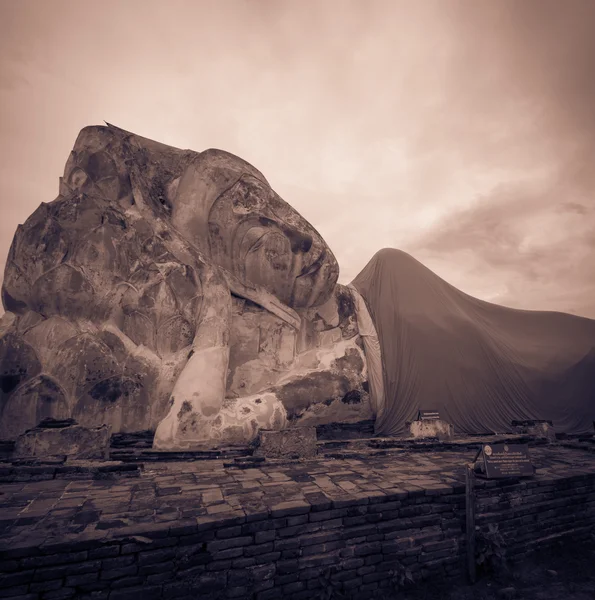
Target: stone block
(542, 430)
(296, 442)
(435, 428)
(70, 440)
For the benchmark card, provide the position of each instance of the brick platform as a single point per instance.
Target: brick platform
(277, 531)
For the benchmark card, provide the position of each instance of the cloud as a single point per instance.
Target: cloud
(520, 247)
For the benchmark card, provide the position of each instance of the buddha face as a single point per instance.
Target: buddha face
(262, 240)
(228, 210)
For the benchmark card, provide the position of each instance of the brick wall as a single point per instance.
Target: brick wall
(536, 512)
(297, 548)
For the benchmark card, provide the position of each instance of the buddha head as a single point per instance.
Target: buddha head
(228, 210)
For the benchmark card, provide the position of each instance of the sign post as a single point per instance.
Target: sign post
(470, 520)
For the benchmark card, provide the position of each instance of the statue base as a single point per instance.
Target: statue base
(296, 442)
(536, 428)
(64, 438)
(431, 428)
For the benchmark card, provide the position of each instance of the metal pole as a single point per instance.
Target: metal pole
(470, 520)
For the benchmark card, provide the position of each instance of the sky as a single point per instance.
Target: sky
(460, 131)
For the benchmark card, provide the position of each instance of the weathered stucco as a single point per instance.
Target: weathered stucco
(173, 290)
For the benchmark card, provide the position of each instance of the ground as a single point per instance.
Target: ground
(560, 573)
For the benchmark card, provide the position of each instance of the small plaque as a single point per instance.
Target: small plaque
(507, 460)
(428, 415)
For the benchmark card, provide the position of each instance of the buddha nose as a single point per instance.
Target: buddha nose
(300, 241)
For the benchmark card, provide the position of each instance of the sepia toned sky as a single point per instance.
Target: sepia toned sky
(461, 131)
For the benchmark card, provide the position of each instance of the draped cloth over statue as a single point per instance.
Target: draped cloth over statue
(481, 365)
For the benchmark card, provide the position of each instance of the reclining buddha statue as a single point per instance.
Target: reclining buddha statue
(175, 291)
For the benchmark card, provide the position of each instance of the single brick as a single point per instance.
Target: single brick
(263, 572)
(323, 515)
(125, 582)
(261, 586)
(332, 524)
(363, 530)
(290, 509)
(373, 559)
(321, 548)
(287, 544)
(48, 573)
(229, 532)
(146, 592)
(270, 594)
(384, 506)
(319, 538)
(156, 568)
(285, 567)
(117, 562)
(308, 562)
(65, 592)
(343, 575)
(297, 520)
(105, 552)
(217, 545)
(356, 511)
(268, 558)
(238, 577)
(256, 550)
(117, 573)
(261, 537)
(150, 557)
(295, 586)
(281, 580)
(219, 565)
(243, 563)
(353, 583)
(433, 546)
(41, 586)
(258, 526)
(352, 563)
(229, 553)
(349, 501)
(351, 521)
(237, 592)
(368, 548)
(74, 580)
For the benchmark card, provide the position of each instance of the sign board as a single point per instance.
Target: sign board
(506, 460)
(428, 415)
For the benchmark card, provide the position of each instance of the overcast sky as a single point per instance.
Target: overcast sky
(462, 132)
